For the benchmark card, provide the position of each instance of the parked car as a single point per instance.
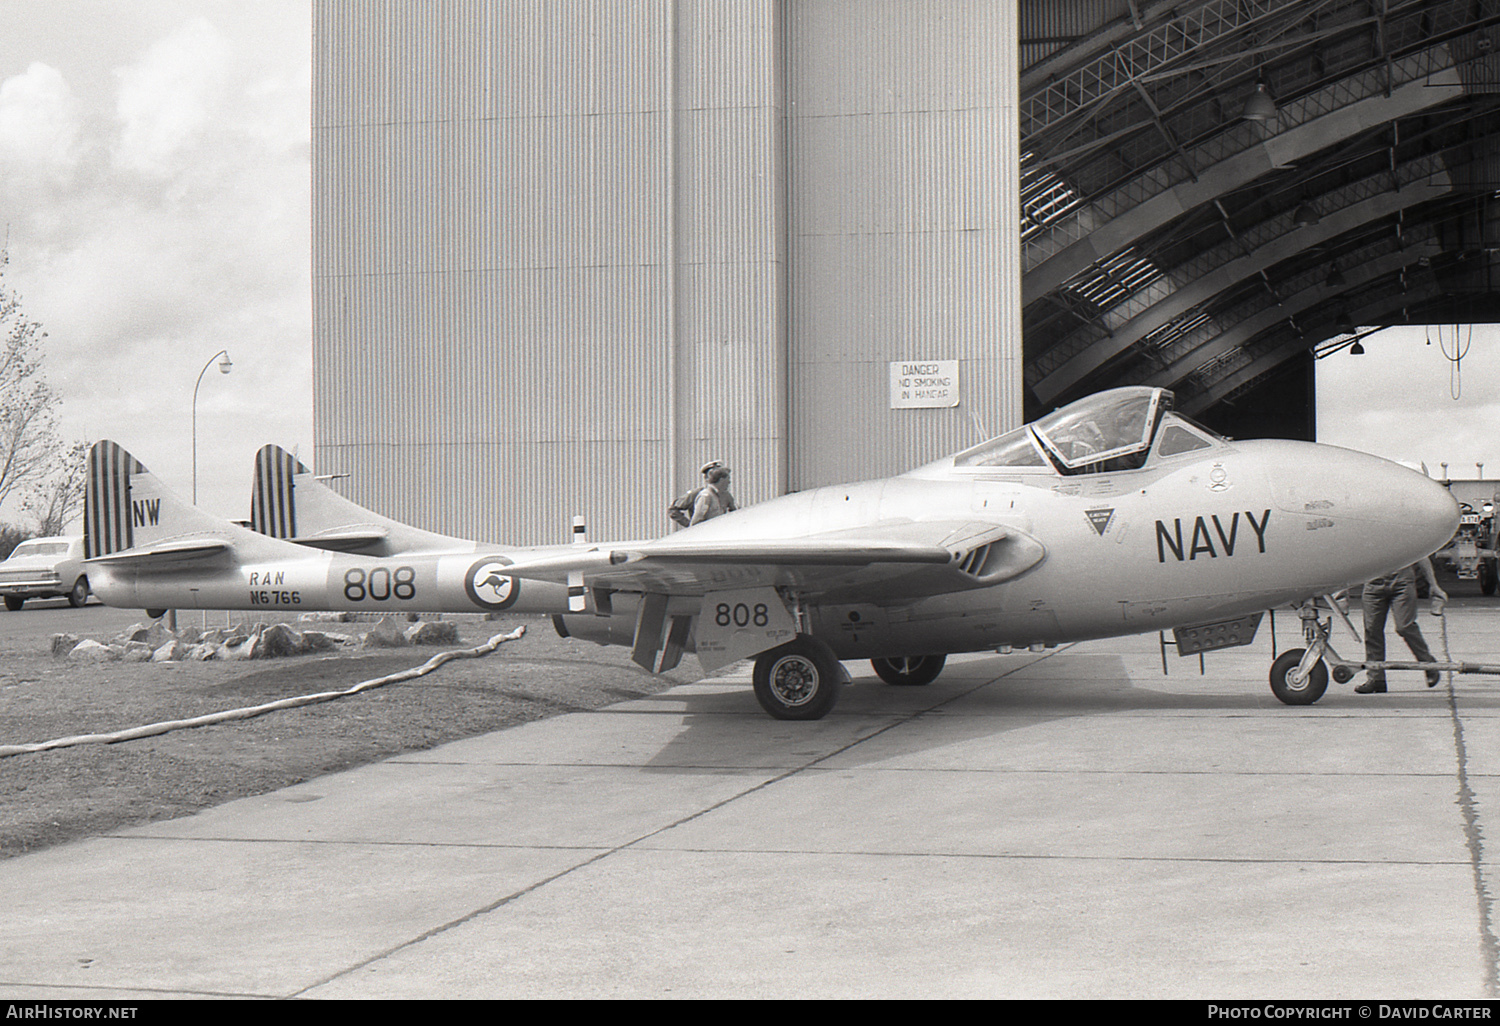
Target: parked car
(44, 568)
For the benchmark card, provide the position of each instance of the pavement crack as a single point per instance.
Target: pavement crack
(1468, 804)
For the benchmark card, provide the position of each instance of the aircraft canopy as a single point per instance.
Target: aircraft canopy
(1114, 427)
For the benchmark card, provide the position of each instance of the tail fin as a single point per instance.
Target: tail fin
(108, 517)
(288, 502)
(129, 516)
(273, 510)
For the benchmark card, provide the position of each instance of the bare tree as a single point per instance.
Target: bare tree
(59, 497)
(29, 443)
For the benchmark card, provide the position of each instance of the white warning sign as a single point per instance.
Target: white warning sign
(917, 384)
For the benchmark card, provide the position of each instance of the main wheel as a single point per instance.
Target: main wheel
(798, 680)
(80, 592)
(14, 602)
(1306, 693)
(912, 671)
(1487, 579)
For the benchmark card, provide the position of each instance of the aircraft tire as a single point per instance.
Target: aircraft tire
(14, 602)
(79, 593)
(797, 681)
(1487, 579)
(909, 671)
(1291, 694)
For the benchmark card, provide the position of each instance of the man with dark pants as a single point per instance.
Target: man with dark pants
(1397, 593)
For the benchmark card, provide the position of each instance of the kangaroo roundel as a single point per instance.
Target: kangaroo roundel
(489, 587)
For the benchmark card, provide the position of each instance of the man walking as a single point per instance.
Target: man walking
(1396, 593)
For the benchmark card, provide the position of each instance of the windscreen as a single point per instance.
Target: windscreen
(1110, 426)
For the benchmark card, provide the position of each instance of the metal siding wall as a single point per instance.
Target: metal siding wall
(517, 229)
(488, 251)
(904, 220)
(730, 330)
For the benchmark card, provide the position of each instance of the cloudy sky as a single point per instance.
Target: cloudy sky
(154, 171)
(1406, 399)
(154, 168)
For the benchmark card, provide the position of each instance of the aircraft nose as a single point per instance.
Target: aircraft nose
(1405, 509)
(1407, 499)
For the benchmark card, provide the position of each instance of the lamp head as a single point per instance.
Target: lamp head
(1260, 106)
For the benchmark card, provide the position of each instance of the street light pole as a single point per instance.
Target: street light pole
(224, 366)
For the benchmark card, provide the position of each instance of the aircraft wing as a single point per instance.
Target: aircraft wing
(943, 551)
(171, 554)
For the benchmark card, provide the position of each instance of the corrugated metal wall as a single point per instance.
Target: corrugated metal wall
(903, 212)
(566, 251)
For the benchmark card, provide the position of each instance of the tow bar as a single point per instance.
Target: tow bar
(1300, 676)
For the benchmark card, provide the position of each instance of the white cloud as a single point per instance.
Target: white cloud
(38, 123)
(182, 227)
(168, 98)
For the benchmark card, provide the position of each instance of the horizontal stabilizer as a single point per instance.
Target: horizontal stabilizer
(168, 554)
(289, 502)
(133, 522)
(342, 541)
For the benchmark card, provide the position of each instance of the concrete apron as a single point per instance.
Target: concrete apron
(1070, 824)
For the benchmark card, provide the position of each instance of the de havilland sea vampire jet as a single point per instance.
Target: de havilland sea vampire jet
(1113, 515)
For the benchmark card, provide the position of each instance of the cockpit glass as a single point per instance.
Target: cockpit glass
(1176, 440)
(1190, 422)
(1110, 426)
(1012, 449)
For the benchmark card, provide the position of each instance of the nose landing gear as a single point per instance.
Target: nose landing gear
(1295, 683)
(1300, 676)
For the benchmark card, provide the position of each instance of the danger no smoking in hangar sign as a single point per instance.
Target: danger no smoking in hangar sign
(924, 383)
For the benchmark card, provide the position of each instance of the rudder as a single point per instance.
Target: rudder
(108, 517)
(273, 507)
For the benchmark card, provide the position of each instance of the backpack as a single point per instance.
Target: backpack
(681, 510)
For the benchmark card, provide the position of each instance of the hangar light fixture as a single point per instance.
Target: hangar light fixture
(1356, 349)
(1335, 279)
(1305, 215)
(1260, 106)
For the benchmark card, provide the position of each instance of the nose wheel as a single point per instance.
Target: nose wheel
(1295, 684)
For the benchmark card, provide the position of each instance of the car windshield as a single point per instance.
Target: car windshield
(1108, 431)
(37, 548)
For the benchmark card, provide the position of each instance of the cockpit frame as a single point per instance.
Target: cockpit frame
(1109, 431)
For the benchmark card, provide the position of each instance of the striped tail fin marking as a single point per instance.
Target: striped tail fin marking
(107, 525)
(273, 510)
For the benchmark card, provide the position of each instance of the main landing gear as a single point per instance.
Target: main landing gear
(910, 671)
(799, 680)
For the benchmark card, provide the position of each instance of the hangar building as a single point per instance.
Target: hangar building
(566, 250)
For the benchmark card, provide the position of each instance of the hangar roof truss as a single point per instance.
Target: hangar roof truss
(1170, 240)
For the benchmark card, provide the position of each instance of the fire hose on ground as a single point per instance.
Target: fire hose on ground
(150, 730)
